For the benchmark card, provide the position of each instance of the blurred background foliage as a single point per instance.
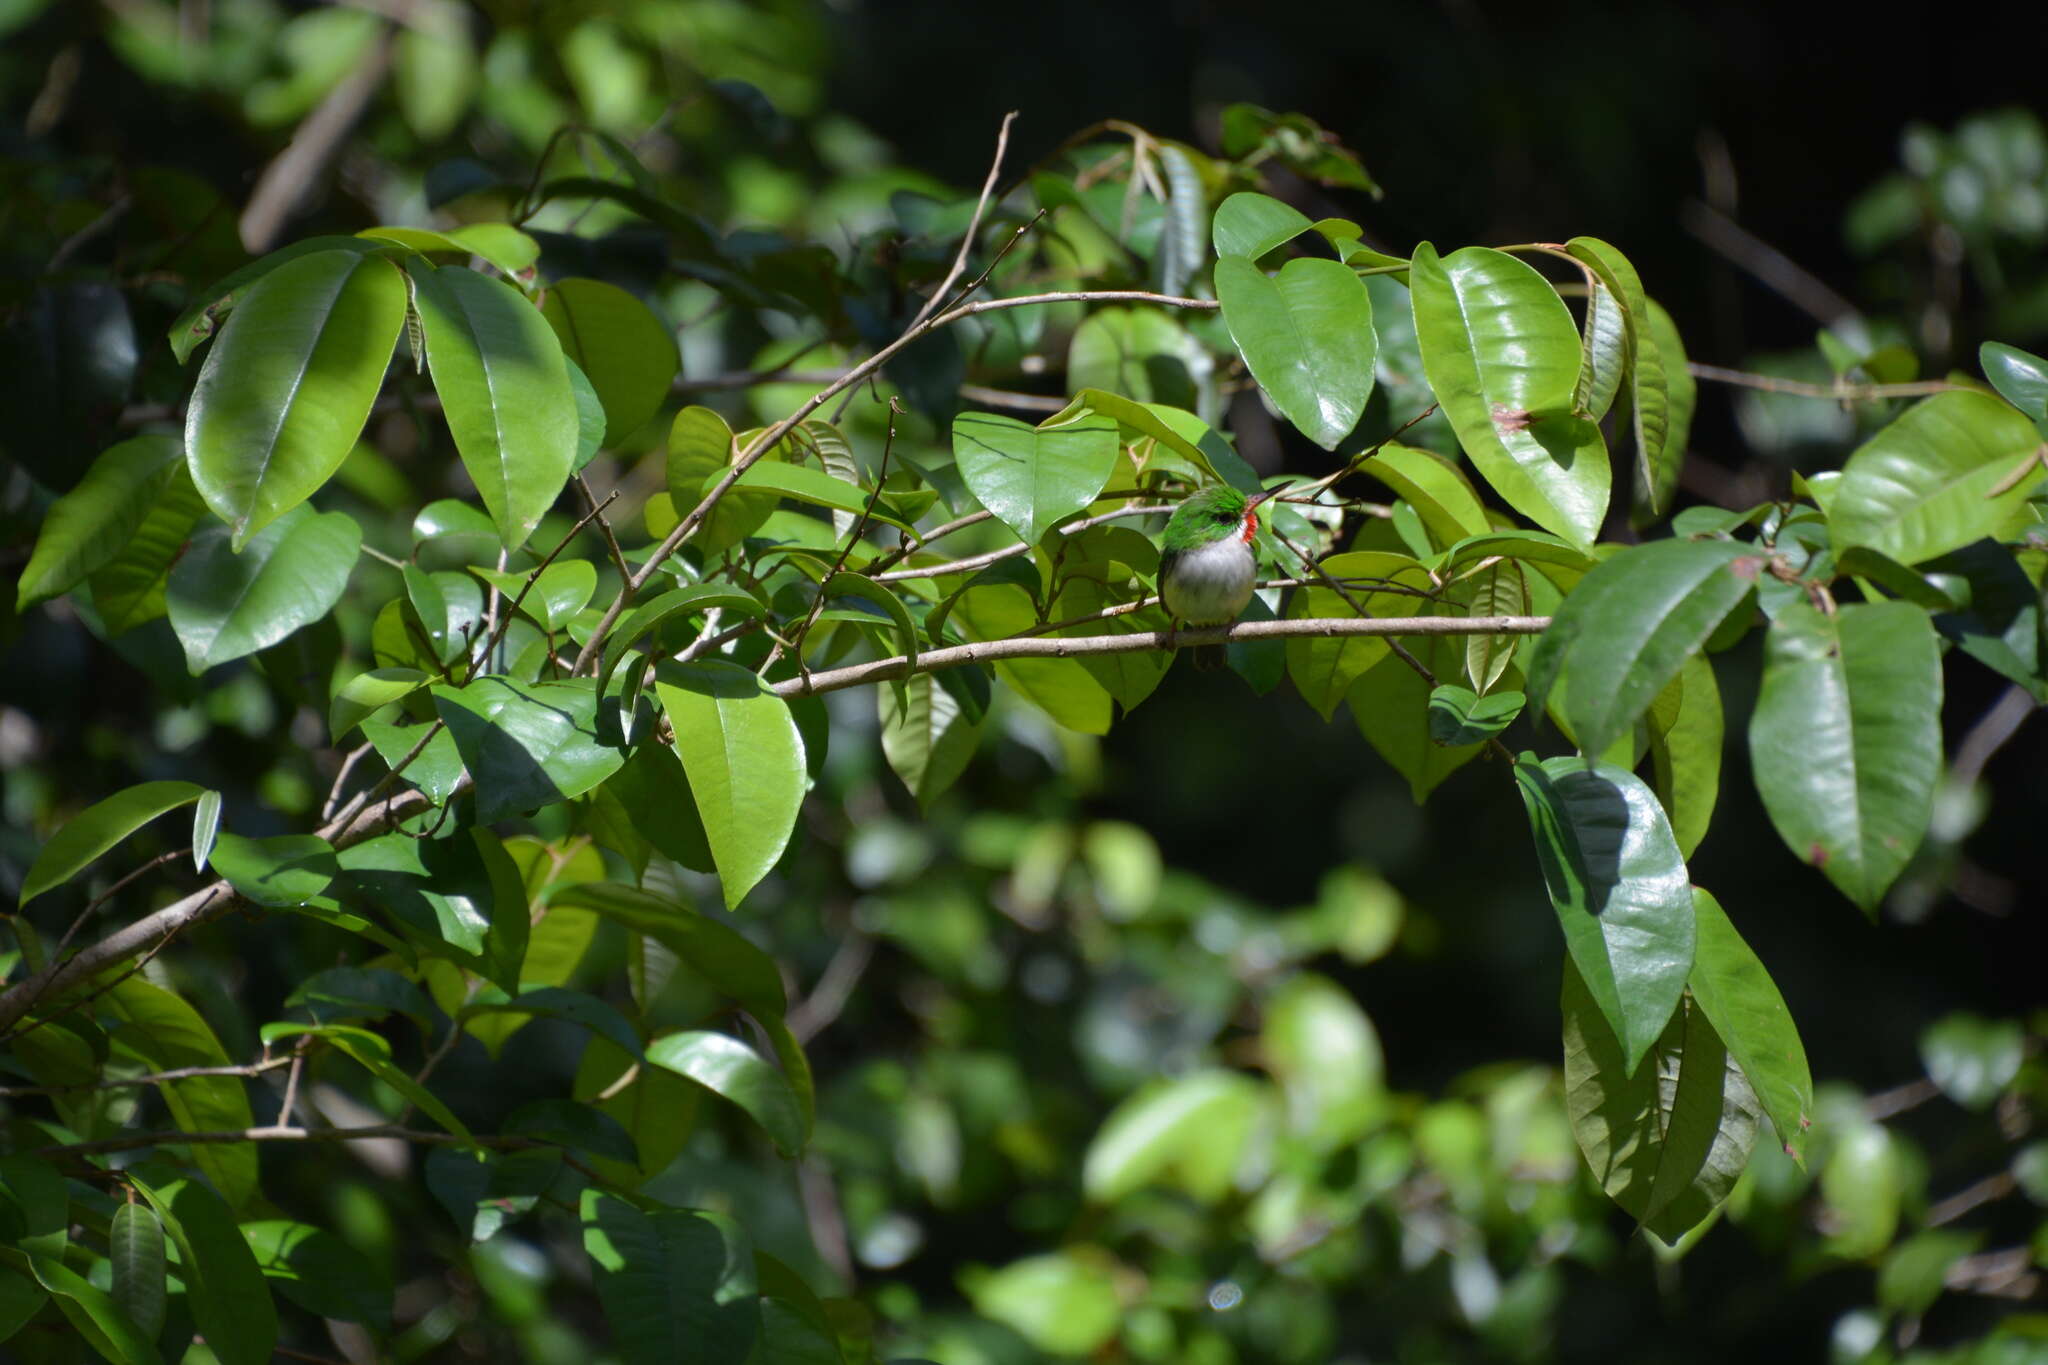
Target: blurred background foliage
(1047, 1011)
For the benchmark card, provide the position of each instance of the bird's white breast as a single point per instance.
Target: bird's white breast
(1212, 583)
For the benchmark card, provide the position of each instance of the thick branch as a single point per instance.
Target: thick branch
(1027, 647)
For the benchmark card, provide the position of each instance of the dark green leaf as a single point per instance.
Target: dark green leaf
(459, 897)
(1034, 477)
(557, 1002)
(92, 524)
(1140, 353)
(1620, 890)
(1668, 1141)
(1251, 225)
(1628, 628)
(135, 1249)
(1741, 1001)
(1390, 703)
(226, 604)
(926, 737)
(573, 1125)
(286, 389)
(1458, 716)
(505, 392)
(2020, 376)
(1685, 735)
(437, 769)
(283, 870)
(528, 745)
(676, 1284)
(130, 589)
(729, 1068)
(372, 1053)
(720, 954)
(366, 693)
(1307, 335)
(344, 994)
(229, 1298)
(93, 1312)
(1846, 740)
(1502, 354)
(98, 828)
(216, 301)
(1657, 455)
(1653, 499)
(320, 1272)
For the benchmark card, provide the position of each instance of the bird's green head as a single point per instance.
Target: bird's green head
(1217, 512)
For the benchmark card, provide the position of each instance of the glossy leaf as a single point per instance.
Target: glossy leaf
(343, 994)
(1324, 669)
(129, 589)
(1390, 703)
(804, 484)
(98, 1320)
(732, 1070)
(1501, 352)
(1496, 590)
(557, 1002)
(319, 1272)
(229, 1298)
(372, 1052)
(1653, 499)
(1628, 628)
(135, 1250)
(1030, 477)
(1141, 353)
(97, 828)
(628, 353)
(225, 604)
(578, 1126)
(1251, 225)
(1923, 486)
(459, 897)
(1685, 733)
(1458, 716)
(1603, 357)
(700, 447)
(89, 526)
(745, 761)
(286, 389)
(656, 795)
(366, 693)
(528, 745)
(679, 603)
(439, 765)
(676, 1284)
(1846, 739)
(1307, 335)
(2019, 376)
(722, 955)
(1741, 1001)
(1620, 891)
(202, 317)
(505, 392)
(1667, 1142)
(280, 871)
(1435, 488)
(1648, 388)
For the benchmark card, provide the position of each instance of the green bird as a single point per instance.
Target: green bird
(1206, 565)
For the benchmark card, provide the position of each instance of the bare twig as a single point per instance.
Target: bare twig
(1839, 390)
(988, 189)
(1996, 1186)
(1766, 263)
(814, 1014)
(286, 179)
(183, 1073)
(982, 561)
(1887, 1103)
(348, 765)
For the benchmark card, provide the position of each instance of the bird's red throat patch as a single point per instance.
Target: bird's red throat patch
(1251, 526)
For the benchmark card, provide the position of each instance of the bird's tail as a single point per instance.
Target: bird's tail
(1209, 658)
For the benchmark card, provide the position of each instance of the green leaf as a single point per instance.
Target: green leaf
(283, 870)
(1625, 632)
(135, 1249)
(1496, 590)
(342, 994)
(319, 1272)
(557, 1002)
(1501, 352)
(129, 590)
(1308, 338)
(1862, 1187)
(628, 353)
(1741, 1001)
(1189, 1131)
(228, 1296)
(1973, 1059)
(1846, 739)
(1435, 488)
(561, 590)
(819, 489)
(1323, 669)
(1064, 1303)
(92, 1311)
(1620, 891)
(700, 448)
(1390, 703)
(35, 1206)
(285, 392)
(1649, 392)
(1141, 353)
(459, 897)
(98, 828)
(730, 1069)
(1322, 1049)
(367, 693)
(724, 957)
(438, 768)
(1603, 357)
(1685, 747)
(90, 526)
(656, 795)
(573, 1125)
(1250, 225)
(1031, 478)
(503, 245)
(226, 604)
(372, 1053)
(1653, 500)
(21, 1298)
(505, 392)
(2020, 376)
(1923, 486)
(694, 600)
(1181, 432)
(1916, 1270)
(527, 745)
(745, 761)
(676, 1284)
(926, 736)
(215, 302)
(1458, 716)
(1667, 1142)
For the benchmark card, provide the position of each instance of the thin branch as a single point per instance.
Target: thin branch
(1888, 1103)
(982, 561)
(533, 574)
(284, 182)
(1839, 390)
(1990, 734)
(1770, 266)
(814, 1014)
(1996, 1186)
(348, 765)
(988, 189)
(128, 1142)
(183, 1073)
(1027, 647)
